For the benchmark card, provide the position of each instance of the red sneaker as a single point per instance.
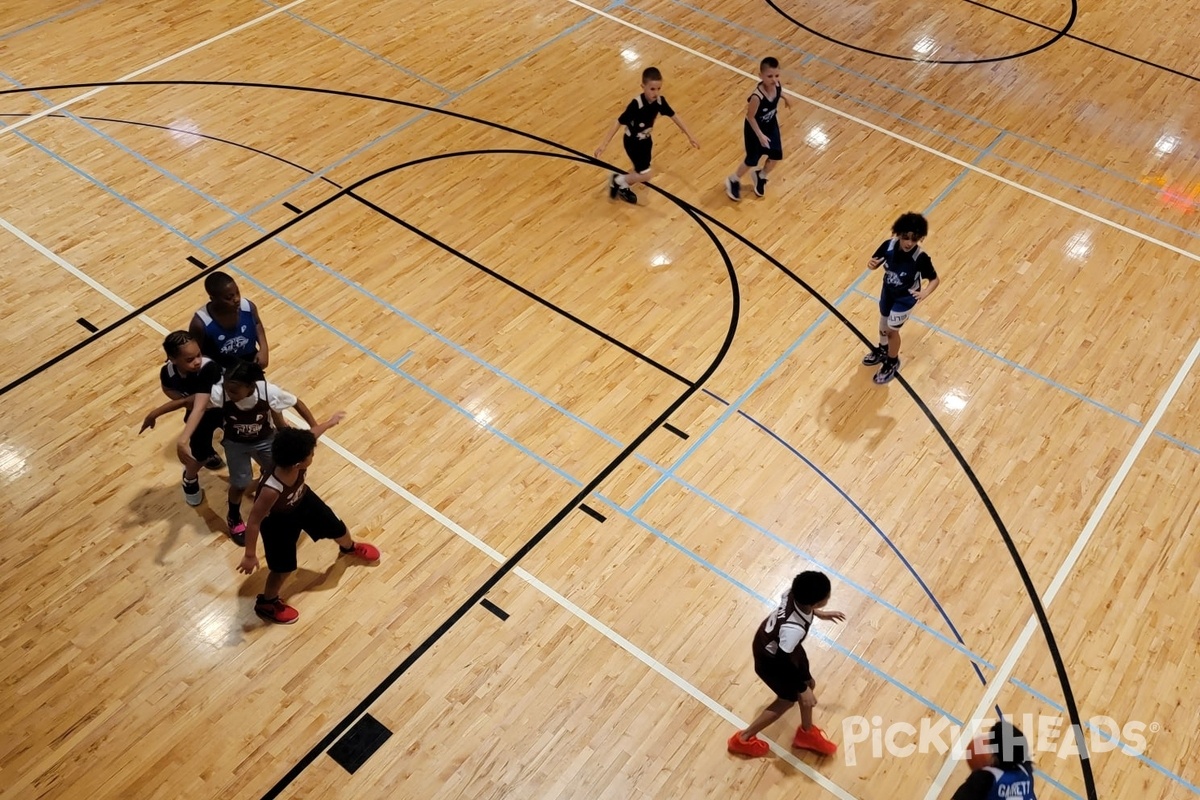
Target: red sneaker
(753, 747)
(276, 611)
(813, 739)
(367, 552)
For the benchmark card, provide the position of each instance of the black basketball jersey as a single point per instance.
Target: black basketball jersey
(187, 385)
(289, 496)
(784, 631)
(767, 107)
(638, 117)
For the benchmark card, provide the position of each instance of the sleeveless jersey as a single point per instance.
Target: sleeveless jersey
(1013, 784)
(289, 496)
(230, 344)
(639, 116)
(767, 109)
(903, 271)
(784, 630)
(248, 425)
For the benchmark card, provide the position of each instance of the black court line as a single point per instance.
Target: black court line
(675, 430)
(699, 216)
(89, 326)
(197, 262)
(292, 208)
(591, 512)
(359, 743)
(495, 609)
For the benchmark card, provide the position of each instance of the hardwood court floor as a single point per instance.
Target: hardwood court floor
(508, 344)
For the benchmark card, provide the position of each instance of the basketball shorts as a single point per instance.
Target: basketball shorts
(754, 148)
(780, 675)
(895, 311)
(281, 532)
(639, 151)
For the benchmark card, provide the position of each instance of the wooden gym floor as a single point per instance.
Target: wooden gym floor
(512, 346)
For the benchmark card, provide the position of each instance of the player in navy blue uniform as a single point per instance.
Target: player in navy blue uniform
(186, 374)
(228, 327)
(761, 131)
(909, 277)
(638, 120)
(781, 663)
(1010, 776)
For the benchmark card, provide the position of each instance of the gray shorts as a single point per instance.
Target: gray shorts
(238, 455)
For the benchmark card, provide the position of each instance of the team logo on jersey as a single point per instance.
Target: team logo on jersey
(234, 345)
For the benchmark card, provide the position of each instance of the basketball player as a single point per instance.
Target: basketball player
(1010, 775)
(906, 267)
(781, 663)
(638, 119)
(250, 413)
(761, 131)
(185, 375)
(284, 507)
(228, 326)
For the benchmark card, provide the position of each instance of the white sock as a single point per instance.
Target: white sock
(622, 182)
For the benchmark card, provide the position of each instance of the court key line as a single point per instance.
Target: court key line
(161, 62)
(897, 136)
(564, 603)
(1006, 667)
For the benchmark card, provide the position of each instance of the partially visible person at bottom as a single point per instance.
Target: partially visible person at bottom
(1009, 776)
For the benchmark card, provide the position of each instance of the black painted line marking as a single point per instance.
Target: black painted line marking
(675, 430)
(292, 208)
(197, 262)
(495, 609)
(694, 213)
(90, 327)
(359, 743)
(593, 513)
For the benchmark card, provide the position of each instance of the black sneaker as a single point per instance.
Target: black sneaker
(760, 183)
(627, 195)
(733, 188)
(613, 188)
(888, 371)
(214, 462)
(876, 356)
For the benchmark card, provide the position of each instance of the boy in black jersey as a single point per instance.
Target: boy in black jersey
(761, 131)
(906, 266)
(638, 119)
(781, 663)
(1010, 775)
(187, 373)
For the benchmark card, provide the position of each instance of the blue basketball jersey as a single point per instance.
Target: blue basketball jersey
(230, 344)
(1013, 784)
(903, 271)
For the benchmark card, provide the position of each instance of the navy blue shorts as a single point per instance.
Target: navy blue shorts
(754, 148)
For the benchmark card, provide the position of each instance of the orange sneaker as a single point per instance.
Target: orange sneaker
(753, 747)
(367, 552)
(813, 739)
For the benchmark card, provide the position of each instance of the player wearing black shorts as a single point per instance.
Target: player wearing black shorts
(638, 120)
(760, 130)
(285, 507)
(781, 663)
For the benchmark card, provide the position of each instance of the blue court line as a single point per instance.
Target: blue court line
(876, 81)
(962, 175)
(402, 358)
(319, 174)
(856, 100)
(435, 394)
(410, 73)
(60, 15)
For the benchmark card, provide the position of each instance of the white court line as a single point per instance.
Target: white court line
(898, 137)
(93, 92)
(1001, 676)
(608, 633)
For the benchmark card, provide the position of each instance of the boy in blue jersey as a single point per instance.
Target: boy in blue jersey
(228, 327)
(909, 277)
(1010, 776)
(760, 129)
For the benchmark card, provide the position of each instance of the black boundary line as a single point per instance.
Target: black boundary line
(197, 262)
(591, 512)
(675, 431)
(87, 325)
(1014, 553)
(1059, 33)
(495, 609)
(697, 214)
(292, 208)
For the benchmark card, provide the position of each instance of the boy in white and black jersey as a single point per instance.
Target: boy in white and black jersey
(781, 663)
(286, 506)
(760, 130)
(638, 120)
